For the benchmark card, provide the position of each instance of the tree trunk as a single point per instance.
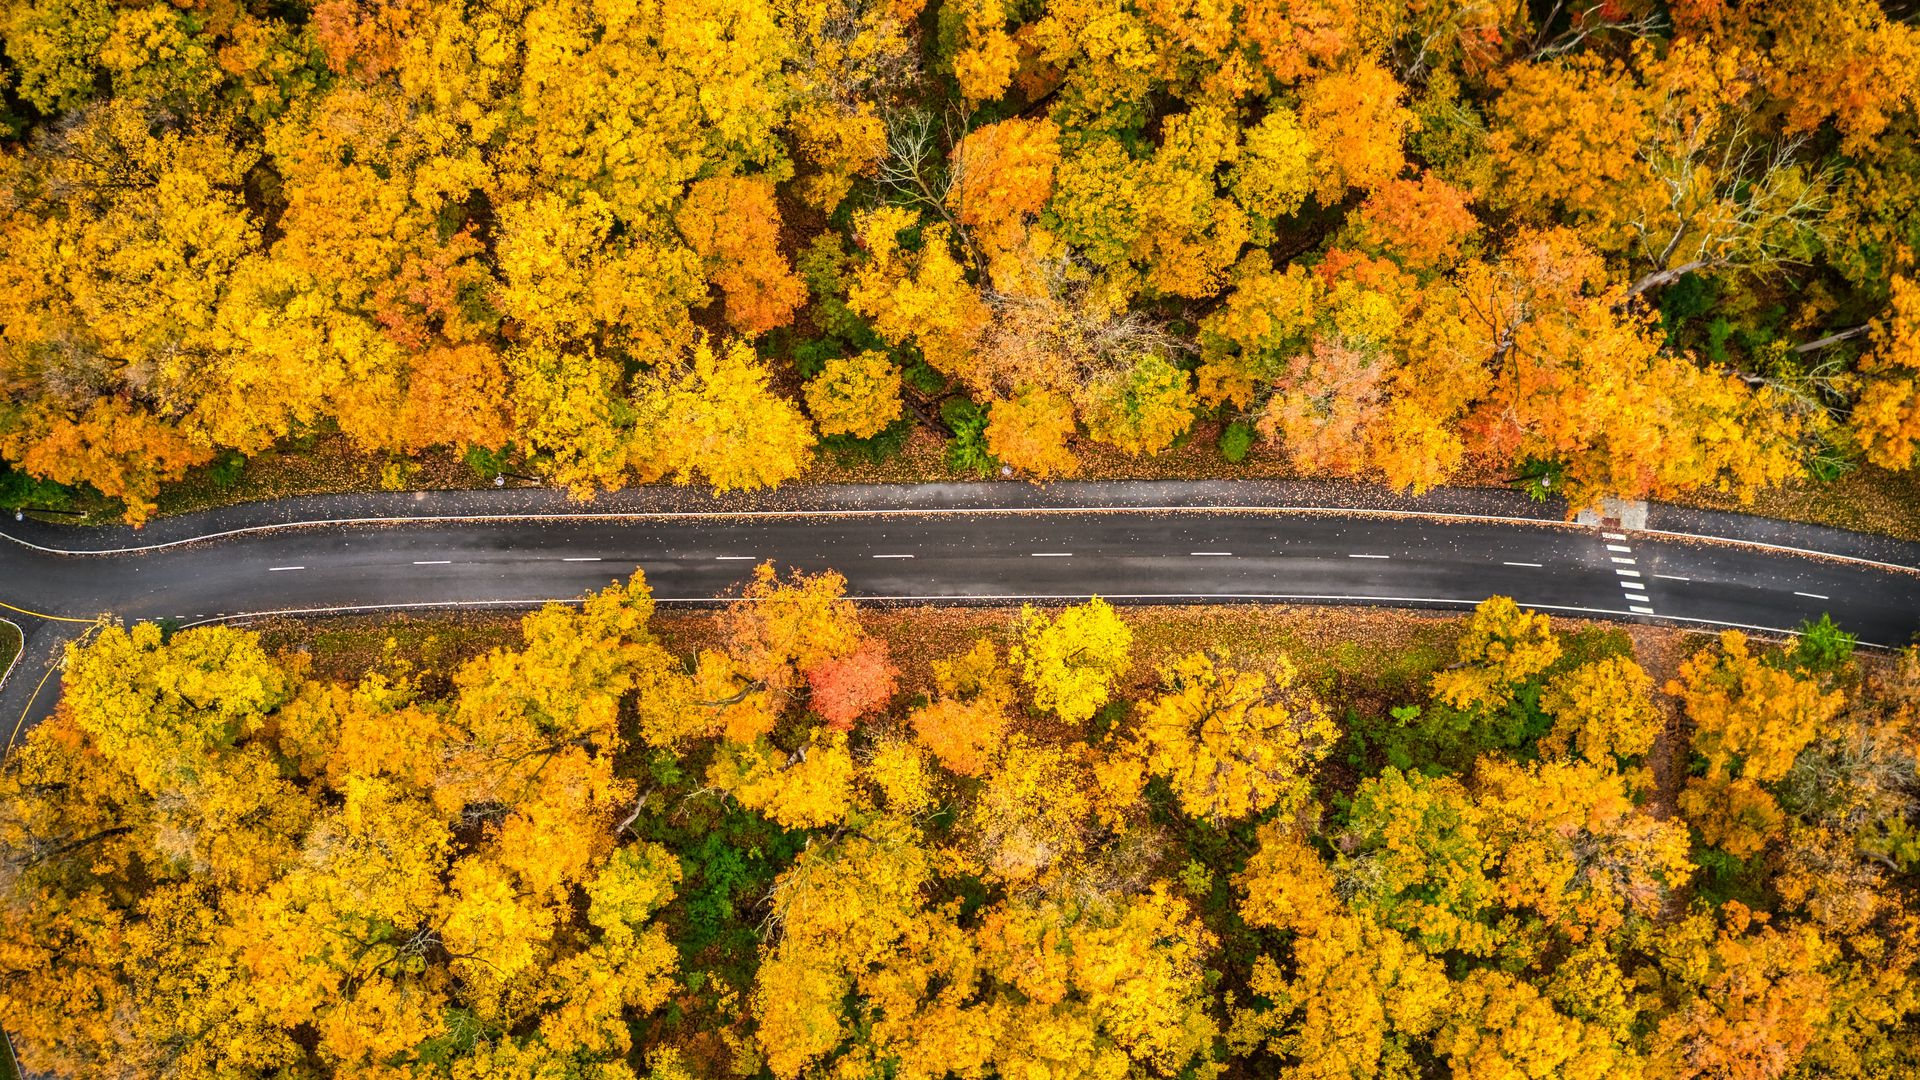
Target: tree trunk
(638, 804)
(1834, 338)
(1665, 277)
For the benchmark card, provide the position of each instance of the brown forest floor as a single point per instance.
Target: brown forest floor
(1866, 500)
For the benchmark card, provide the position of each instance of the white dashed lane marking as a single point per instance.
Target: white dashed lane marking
(432, 562)
(1216, 553)
(734, 558)
(1811, 595)
(1369, 556)
(596, 558)
(893, 556)
(277, 569)
(1672, 577)
(1535, 565)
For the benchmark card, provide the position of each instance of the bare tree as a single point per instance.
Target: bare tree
(1581, 22)
(1729, 202)
(921, 166)
(1812, 384)
(1058, 333)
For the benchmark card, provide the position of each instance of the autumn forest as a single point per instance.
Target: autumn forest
(598, 853)
(1642, 248)
(1628, 247)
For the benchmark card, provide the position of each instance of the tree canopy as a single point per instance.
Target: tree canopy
(609, 852)
(1642, 248)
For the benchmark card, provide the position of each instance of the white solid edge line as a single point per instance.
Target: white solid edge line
(1535, 565)
(895, 511)
(1786, 547)
(1336, 597)
(1813, 595)
(276, 569)
(1437, 515)
(734, 558)
(1673, 577)
(15, 662)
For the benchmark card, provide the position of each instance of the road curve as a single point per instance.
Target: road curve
(1130, 543)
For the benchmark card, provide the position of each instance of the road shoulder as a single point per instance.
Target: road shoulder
(977, 497)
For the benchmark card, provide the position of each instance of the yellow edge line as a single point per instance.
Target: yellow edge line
(44, 615)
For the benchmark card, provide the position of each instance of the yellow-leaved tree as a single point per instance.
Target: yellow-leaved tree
(921, 297)
(1140, 410)
(1071, 660)
(1751, 719)
(1361, 995)
(1886, 417)
(857, 396)
(1604, 709)
(1030, 433)
(964, 723)
(715, 414)
(1502, 647)
(1233, 743)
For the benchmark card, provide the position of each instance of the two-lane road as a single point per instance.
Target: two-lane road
(1128, 554)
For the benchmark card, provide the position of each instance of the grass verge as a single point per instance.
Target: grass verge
(9, 1070)
(10, 645)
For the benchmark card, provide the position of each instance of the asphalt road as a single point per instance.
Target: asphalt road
(1144, 555)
